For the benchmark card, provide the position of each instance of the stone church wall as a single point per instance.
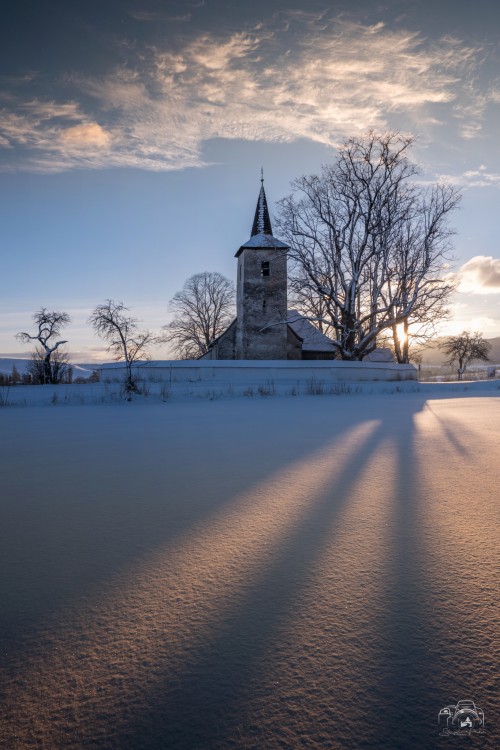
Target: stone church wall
(262, 303)
(293, 345)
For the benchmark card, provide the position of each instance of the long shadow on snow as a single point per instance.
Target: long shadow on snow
(203, 707)
(414, 653)
(61, 540)
(65, 537)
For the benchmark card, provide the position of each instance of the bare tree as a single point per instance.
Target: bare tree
(465, 348)
(61, 370)
(420, 326)
(371, 243)
(126, 342)
(15, 376)
(418, 287)
(304, 297)
(404, 338)
(203, 310)
(50, 362)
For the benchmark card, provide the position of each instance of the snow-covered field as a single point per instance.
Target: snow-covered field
(167, 392)
(201, 571)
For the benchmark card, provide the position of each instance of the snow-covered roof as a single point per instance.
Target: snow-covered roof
(313, 340)
(263, 240)
(382, 354)
(218, 338)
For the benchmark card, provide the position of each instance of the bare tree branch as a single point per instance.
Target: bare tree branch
(465, 348)
(203, 310)
(370, 246)
(125, 342)
(45, 367)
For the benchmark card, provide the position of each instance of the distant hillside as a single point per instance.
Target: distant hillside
(7, 363)
(434, 356)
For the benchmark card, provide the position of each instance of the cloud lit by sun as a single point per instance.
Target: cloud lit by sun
(480, 275)
(168, 102)
(88, 134)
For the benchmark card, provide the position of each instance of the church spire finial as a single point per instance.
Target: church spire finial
(262, 221)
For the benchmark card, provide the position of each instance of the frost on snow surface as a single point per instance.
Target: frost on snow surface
(249, 572)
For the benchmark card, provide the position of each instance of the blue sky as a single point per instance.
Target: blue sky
(132, 136)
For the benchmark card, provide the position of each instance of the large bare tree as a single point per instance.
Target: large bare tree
(202, 311)
(369, 241)
(465, 348)
(49, 364)
(126, 342)
(302, 296)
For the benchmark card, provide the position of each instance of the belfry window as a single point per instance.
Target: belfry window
(265, 268)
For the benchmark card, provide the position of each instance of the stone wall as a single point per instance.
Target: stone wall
(225, 347)
(257, 373)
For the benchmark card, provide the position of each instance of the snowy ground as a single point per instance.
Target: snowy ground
(154, 392)
(263, 572)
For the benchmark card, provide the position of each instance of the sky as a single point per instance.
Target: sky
(132, 135)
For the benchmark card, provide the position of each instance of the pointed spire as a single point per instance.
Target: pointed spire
(261, 222)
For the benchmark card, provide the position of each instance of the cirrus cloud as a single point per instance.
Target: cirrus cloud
(311, 78)
(480, 177)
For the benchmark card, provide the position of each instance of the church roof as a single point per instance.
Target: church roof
(263, 240)
(262, 222)
(262, 233)
(313, 340)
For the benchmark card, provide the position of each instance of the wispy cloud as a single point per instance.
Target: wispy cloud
(473, 178)
(310, 78)
(54, 136)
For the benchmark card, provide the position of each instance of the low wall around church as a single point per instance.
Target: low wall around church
(262, 372)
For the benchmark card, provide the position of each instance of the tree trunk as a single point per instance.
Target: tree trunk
(406, 343)
(397, 345)
(47, 371)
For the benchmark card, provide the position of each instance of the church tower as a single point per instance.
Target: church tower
(261, 291)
